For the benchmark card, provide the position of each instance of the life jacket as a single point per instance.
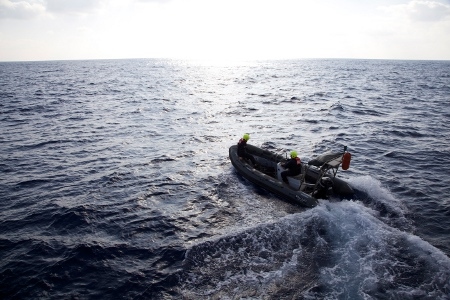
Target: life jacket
(295, 168)
(241, 147)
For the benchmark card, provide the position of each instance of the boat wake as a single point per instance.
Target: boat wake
(385, 206)
(335, 250)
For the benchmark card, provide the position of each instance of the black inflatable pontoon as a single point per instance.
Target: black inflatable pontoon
(317, 180)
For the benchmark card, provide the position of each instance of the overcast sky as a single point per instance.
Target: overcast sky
(219, 29)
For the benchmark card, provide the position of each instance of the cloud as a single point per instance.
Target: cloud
(71, 6)
(417, 29)
(157, 1)
(20, 9)
(423, 11)
(428, 11)
(28, 9)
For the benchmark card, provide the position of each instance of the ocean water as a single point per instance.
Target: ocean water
(116, 183)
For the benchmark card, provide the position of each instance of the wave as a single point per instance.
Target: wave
(388, 208)
(336, 250)
(121, 187)
(45, 143)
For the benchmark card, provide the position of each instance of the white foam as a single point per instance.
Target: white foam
(349, 249)
(363, 257)
(369, 256)
(390, 209)
(373, 187)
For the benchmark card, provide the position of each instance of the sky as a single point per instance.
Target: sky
(33, 30)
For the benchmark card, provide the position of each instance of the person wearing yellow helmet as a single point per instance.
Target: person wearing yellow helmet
(242, 149)
(293, 166)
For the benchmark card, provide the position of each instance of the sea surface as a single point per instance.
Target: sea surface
(116, 182)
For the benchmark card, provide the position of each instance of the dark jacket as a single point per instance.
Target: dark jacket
(294, 166)
(241, 147)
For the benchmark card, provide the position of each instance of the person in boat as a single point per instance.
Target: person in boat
(242, 149)
(293, 166)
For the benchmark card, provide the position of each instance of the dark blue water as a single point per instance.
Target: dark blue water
(116, 183)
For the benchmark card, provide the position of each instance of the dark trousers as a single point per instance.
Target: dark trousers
(249, 156)
(286, 173)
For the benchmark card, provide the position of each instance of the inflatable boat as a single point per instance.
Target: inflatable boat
(317, 179)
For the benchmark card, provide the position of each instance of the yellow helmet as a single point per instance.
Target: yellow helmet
(246, 137)
(293, 154)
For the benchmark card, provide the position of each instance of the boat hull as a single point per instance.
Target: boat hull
(267, 159)
(265, 181)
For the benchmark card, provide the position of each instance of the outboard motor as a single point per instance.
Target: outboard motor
(323, 187)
